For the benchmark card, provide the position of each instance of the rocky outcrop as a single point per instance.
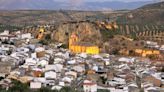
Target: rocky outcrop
(87, 32)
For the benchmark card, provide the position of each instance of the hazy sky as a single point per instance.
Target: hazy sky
(112, 0)
(41, 4)
(106, 0)
(119, 0)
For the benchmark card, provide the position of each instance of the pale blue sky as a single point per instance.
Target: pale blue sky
(119, 0)
(108, 0)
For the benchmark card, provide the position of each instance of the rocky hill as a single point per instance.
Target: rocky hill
(145, 23)
(88, 32)
(35, 17)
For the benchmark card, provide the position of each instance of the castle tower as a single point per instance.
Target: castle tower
(41, 33)
(72, 40)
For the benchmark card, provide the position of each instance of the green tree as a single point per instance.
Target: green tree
(45, 89)
(55, 91)
(2, 89)
(64, 46)
(162, 69)
(115, 52)
(18, 87)
(103, 80)
(48, 37)
(152, 57)
(68, 89)
(131, 52)
(103, 90)
(44, 42)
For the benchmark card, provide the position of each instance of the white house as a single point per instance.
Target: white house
(71, 73)
(30, 61)
(57, 87)
(5, 48)
(33, 55)
(6, 32)
(35, 85)
(26, 36)
(50, 75)
(126, 59)
(23, 50)
(71, 62)
(39, 49)
(42, 63)
(89, 86)
(4, 35)
(116, 81)
(61, 83)
(64, 55)
(83, 55)
(49, 51)
(162, 48)
(40, 79)
(67, 79)
(50, 67)
(97, 57)
(58, 60)
(151, 89)
(78, 69)
(56, 67)
(95, 67)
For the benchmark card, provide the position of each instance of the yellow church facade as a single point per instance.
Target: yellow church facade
(81, 48)
(145, 53)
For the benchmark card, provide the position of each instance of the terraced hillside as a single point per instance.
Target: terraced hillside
(143, 32)
(149, 14)
(146, 23)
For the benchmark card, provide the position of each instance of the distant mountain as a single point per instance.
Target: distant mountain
(28, 4)
(55, 5)
(117, 5)
(159, 5)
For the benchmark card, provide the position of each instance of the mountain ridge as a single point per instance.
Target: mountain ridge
(56, 5)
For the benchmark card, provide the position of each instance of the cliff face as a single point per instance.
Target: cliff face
(87, 33)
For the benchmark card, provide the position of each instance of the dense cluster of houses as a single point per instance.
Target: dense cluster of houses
(154, 45)
(51, 66)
